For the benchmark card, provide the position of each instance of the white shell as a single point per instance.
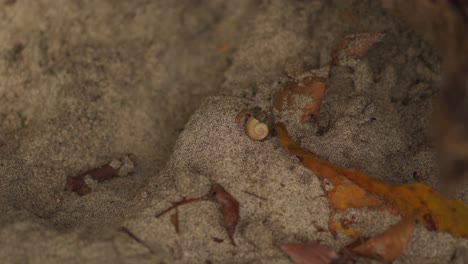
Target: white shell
(256, 130)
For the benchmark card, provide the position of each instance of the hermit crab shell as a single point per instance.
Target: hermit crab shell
(256, 130)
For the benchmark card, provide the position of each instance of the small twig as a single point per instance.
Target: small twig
(254, 195)
(137, 239)
(179, 203)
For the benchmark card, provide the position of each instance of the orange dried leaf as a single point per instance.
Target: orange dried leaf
(339, 197)
(313, 253)
(431, 208)
(312, 86)
(389, 245)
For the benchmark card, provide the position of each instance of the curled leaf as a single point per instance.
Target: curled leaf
(313, 253)
(389, 245)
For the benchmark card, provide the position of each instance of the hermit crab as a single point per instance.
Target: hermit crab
(257, 122)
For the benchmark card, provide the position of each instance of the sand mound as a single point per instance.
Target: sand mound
(82, 83)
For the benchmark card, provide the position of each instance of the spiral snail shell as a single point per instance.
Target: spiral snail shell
(256, 130)
(259, 122)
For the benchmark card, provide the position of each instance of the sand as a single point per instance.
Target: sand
(86, 82)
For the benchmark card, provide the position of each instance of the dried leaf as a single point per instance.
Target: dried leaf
(311, 86)
(355, 46)
(228, 204)
(313, 253)
(338, 197)
(444, 214)
(389, 245)
(229, 208)
(115, 168)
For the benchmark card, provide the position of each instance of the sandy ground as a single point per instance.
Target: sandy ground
(84, 82)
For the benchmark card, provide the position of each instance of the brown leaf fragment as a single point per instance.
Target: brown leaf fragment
(355, 46)
(229, 208)
(313, 253)
(389, 245)
(79, 183)
(303, 94)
